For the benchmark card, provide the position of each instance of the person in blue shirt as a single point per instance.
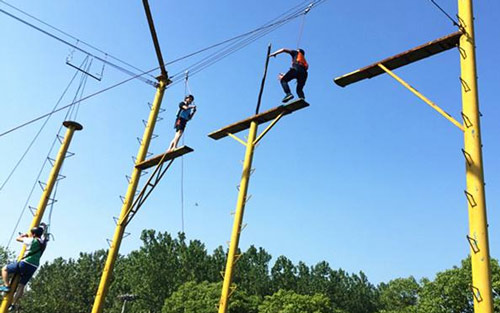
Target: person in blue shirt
(185, 113)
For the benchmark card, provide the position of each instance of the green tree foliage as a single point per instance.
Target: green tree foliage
(170, 274)
(283, 274)
(161, 265)
(399, 295)
(450, 291)
(285, 301)
(66, 286)
(6, 256)
(204, 297)
(193, 297)
(252, 271)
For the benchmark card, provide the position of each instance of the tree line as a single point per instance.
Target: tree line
(171, 275)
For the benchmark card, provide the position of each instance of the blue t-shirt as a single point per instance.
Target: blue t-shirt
(183, 113)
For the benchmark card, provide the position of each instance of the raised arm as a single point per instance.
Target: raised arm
(275, 53)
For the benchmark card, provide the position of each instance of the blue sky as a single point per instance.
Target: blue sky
(367, 178)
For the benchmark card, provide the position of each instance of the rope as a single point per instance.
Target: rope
(455, 23)
(80, 49)
(37, 134)
(194, 69)
(80, 88)
(30, 194)
(71, 36)
(187, 91)
(301, 28)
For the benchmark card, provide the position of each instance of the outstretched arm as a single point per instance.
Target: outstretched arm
(21, 237)
(275, 53)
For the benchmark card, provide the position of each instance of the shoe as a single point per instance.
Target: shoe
(287, 97)
(12, 308)
(4, 289)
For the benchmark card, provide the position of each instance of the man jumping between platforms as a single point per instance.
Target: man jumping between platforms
(35, 243)
(298, 71)
(185, 113)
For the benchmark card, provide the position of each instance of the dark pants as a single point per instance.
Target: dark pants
(298, 73)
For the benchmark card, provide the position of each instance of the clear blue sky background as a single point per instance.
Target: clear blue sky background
(367, 178)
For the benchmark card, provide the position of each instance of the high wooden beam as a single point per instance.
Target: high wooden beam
(169, 156)
(259, 118)
(402, 59)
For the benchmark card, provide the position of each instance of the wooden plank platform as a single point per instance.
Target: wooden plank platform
(402, 59)
(157, 158)
(259, 118)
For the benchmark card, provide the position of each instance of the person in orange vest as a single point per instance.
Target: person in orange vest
(298, 71)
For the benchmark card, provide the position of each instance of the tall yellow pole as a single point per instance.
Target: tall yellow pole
(129, 199)
(478, 224)
(42, 204)
(238, 218)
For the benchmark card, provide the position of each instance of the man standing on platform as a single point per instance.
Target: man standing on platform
(298, 71)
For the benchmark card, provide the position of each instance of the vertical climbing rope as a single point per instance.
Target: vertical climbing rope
(187, 91)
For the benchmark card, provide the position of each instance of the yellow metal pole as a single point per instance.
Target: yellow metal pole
(478, 224)
(42, 204)
(238, 219)
(129, 199)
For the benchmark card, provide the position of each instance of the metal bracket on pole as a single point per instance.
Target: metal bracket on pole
(465, 85)
(476, 293)
(467, 121)
(60, 138)
(232, 290)
(473, 244)
(51, 161)
(468, 157)
(42, 185)
(237, 257)
(32, 209)
(470, 198)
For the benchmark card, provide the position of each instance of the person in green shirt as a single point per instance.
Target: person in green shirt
(35, 243)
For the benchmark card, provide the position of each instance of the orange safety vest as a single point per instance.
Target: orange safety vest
(302, 60)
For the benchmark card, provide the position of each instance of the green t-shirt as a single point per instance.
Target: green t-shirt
(34, 249)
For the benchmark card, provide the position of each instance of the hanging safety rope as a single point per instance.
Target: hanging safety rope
(187, 91)
(301, 28)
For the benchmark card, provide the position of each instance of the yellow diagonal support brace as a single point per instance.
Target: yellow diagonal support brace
(237, 139)
(421, 96)
(268, 128)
